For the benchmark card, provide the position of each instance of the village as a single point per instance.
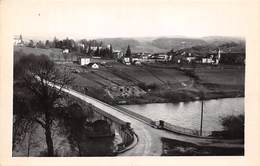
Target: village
(94, 56)
(123, 76)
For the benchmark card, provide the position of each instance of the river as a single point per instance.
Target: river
(188, 114)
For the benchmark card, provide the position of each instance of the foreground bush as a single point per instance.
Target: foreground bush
(233, 127)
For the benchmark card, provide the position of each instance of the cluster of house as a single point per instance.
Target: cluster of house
(139, 58)
(93, 61)
(182, 57)
(210, 58)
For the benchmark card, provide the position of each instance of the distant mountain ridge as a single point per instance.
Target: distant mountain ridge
(177, 43)
(220, 40)
(165, 44)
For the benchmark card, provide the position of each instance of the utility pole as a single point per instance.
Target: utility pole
(201, 117)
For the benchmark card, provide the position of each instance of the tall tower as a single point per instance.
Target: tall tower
(219, 54)
(21, 39)
(218, 57)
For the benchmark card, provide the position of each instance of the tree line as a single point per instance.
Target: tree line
(83, 46)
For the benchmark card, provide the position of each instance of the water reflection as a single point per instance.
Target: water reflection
(188, 114)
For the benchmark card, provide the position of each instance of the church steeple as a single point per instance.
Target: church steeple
(218, 57)
(219, 54)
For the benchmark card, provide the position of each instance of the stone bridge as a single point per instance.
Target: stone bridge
(121, 128)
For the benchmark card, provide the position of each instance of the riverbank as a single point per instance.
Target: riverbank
(180, 96)
(166, 96)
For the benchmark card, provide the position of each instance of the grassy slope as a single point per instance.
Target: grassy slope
(171, 84)
(53, 53)
(38, 51)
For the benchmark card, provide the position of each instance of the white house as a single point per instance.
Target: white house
(163, 58)
(65, 51)
(84, 61)
(93, 65)
(127, 60)
(137, 63)
(207, 60)
(190, 59)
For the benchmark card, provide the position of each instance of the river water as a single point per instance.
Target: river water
(188, 114)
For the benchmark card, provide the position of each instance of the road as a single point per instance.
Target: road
(149, 143)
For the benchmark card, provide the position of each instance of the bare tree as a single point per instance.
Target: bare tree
(33, 73)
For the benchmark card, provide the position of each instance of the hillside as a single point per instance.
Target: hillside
(152, 44)
(120, 43)
(220, 40)
(203, 50)
(177, 43)
(164, 44)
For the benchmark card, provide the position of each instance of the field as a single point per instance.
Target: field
(171, 84)
(226, 75)
(54, 54)
(38, 51)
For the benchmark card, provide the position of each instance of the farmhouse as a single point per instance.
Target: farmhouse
(208, 59)
(190, 59)
(127, 60)
(93, 65)
(161, 57)
(65, 51)
(87, 60)
(84, 61)
(137, 63)
(212, 58)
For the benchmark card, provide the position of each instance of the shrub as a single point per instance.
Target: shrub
(146, 87)
(233, 126)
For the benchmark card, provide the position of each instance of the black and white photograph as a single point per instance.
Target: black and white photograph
(121, 78)
(160, 93)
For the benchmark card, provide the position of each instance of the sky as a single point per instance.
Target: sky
(125, 18)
